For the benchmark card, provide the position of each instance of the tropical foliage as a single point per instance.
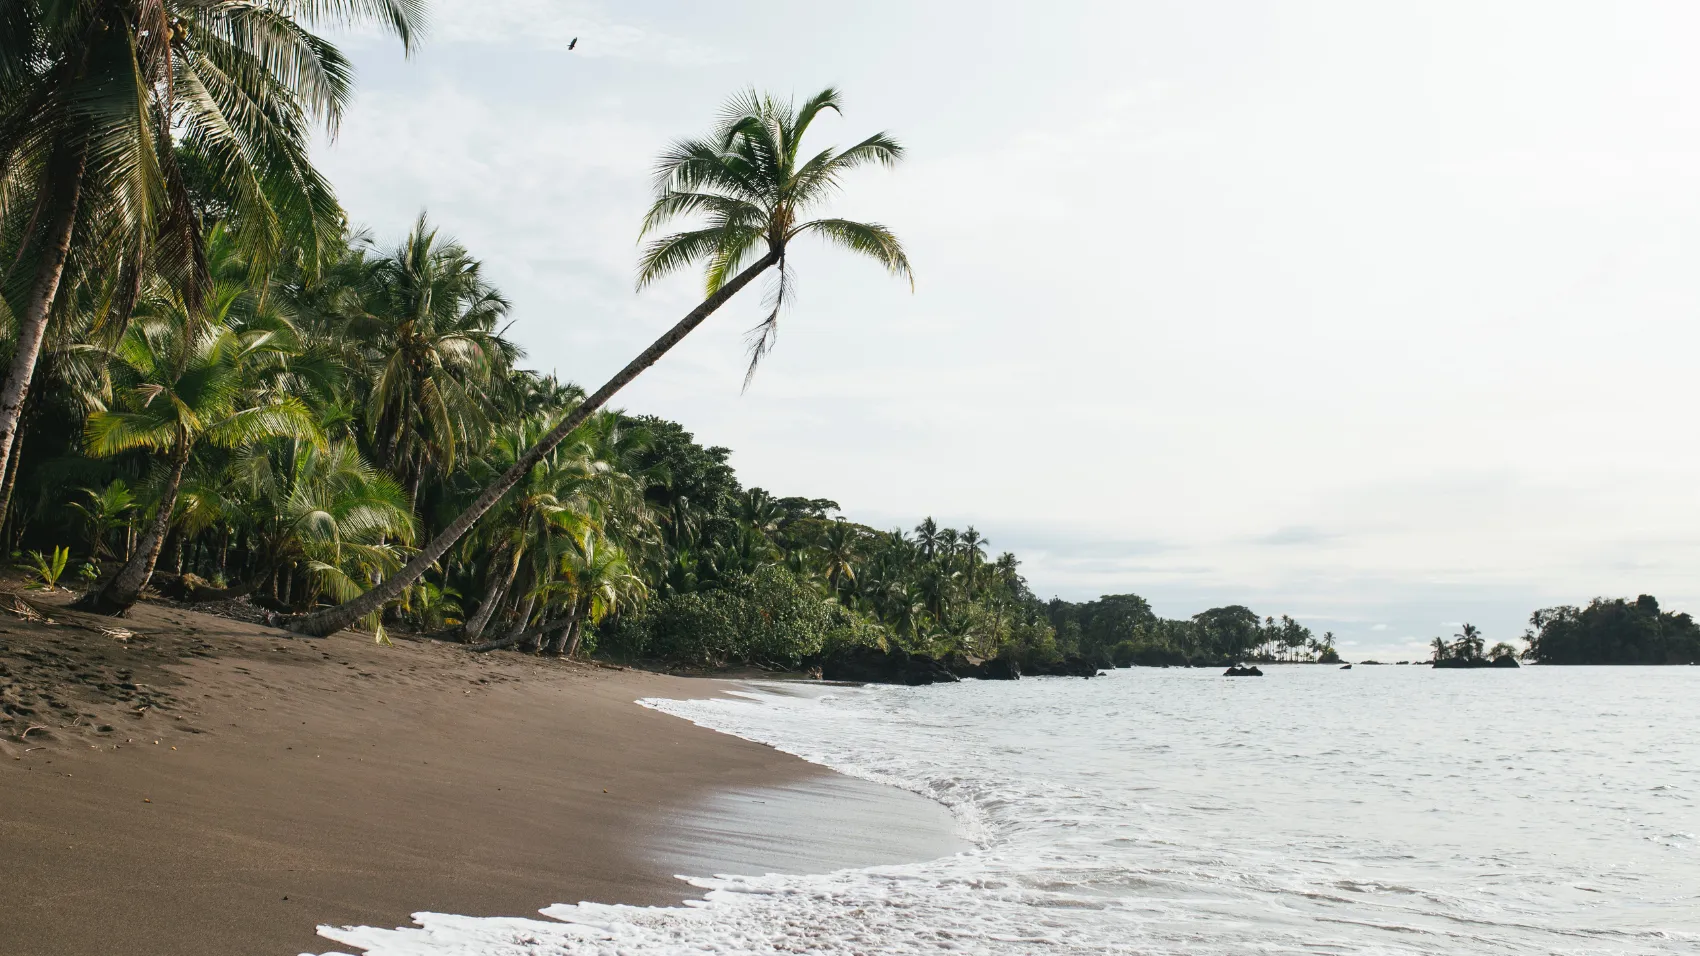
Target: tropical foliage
(1616, 631)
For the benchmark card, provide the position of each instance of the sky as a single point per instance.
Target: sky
(1377, 315)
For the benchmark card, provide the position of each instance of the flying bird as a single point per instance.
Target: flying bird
(573, 44)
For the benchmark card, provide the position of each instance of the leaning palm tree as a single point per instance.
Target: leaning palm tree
(755, 187)
(98, 99)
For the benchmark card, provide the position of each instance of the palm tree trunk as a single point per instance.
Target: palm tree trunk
(522, 617)
(6, 522)
(524, 635)
(498, 588)
(32, 324)
(333, 619)
(566, 633)
(576, 629)
(121, 593)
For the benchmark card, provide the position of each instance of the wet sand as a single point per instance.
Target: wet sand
(339, 782)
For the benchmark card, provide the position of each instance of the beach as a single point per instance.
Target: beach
(253, 786)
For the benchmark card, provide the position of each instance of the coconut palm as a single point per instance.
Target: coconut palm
(175, 387)
(98, 99)
(317, 509)
(1469, 642)
(597, 581)
(927, 538)
(431, 351)
(579, 489)
(102, 511)
(754, 186)
(838, 553)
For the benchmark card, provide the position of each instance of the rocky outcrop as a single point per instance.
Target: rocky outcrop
(1071, 666)
(870, 665)
(1471, 663)
(974, 668)
(1238, 671)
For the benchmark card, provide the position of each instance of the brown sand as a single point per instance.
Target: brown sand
(249, 787)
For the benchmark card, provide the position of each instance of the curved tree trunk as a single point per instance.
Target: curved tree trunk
(575, 632)
(493, 594)
(122, 592)
(331, 620)
(561, 636)
(523, 617)
(11, 484)
(524, 635)
(67, 186)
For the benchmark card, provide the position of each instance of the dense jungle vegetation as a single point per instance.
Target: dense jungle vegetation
(1615, 631)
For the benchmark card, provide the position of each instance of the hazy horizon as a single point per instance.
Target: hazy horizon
(1373, 317)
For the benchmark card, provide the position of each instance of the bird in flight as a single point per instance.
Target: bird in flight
(573, 44)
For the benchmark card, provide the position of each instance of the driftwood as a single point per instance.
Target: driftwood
(194, 589)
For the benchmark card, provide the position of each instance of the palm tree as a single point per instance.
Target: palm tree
(320, 509)
(97, 100)
(949, 540)
(974, 551)
(598, 582)
(838, 552)
(432, 348)
(1469, 642)
(1442, 650)
(551, 497)
(927, 538)
(175, 387)
(754, 185)
(101, 513)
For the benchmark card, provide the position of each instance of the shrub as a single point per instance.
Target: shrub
(770, 617)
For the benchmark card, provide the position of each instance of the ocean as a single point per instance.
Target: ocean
(1381, 810)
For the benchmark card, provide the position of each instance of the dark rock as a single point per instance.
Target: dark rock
(1506, 661)
(1238, 671)
(870, 665)
(966, 667)
(1466, 663)
(1071, 666)
(1346, 667)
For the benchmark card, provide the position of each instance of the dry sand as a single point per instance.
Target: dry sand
(248, 786)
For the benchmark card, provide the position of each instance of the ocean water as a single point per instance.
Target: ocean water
(1390, 810)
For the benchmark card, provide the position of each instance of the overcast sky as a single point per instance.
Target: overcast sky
(1378, 315)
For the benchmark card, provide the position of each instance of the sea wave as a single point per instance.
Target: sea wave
(1115, 817)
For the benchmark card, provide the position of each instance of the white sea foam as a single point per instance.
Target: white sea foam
(1315, 811)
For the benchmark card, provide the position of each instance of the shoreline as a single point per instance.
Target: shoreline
(301, 782)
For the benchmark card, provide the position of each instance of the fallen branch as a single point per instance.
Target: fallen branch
(27, 611)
